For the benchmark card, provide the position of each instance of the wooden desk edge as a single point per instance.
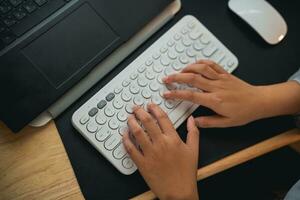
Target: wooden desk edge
(259, 149)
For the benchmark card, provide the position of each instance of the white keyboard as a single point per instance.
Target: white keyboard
(103, 118)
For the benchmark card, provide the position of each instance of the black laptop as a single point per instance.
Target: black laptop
(47, 46)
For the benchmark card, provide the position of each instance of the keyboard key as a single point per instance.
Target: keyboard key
(112, 142)
(191, 25)
(103, 134)
(7, 37)
(156, 99)
(93, 112)
(142, 68)
(164, 61)
(125, 83)
(92, 127)
(126, 96)
(142, 81)
(154, 86)
(146, 93)
(19, 13)
(101, 104)
(122, 116)
(149, 62)
(119, 152)
(40, 2)
(179, 48)
(127, 163)
(149, 75)
(184, 30)
(198, 46)
(134, 89)
(170, 43)
(157, 68)
(156, 56)
(209, 50)
(113, 124)
(15, 3)
(163, 49)
(133, 76)
(118, 90)
(5, 7)
(128, 108)
(109, 112)
(195, 34)
(110, 97)
(118, 103)
(177, 37)
(183, 59)
(30, 6)
(204, 39)
(170, 104)
(123, 129)
(191, 52)
(176, 66)
(159, 78)
(138, 100)
(9, 20)
(186, 41)
(101, 119)
(168, 71)
(218, 56)
(84, 119)
(172, 54)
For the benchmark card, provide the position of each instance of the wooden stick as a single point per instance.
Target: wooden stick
(242, 156)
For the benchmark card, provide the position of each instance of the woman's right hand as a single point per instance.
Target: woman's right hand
(235, 101)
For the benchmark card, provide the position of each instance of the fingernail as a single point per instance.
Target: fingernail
(167, 93)
(165, 79)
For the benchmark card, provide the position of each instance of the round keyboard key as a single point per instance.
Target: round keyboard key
(183, 59)
(126, 96)
(133, 76)
(160, 78)
(127, 163)
(156, 99)
(170, 43)
(179, 48)
(110, 97)
(149, 62)
(101, 104)
(142, 81)
(162, 91)
(154, 86)
(92, 127)
(186, 41)
(119, 152)
(113, 124)
(191, 24)
(163, 49)
(128, 108)
(146, 93)
(177, 37)
(118, 103)
(149, 75)
(191, 52)
(157, 68)
(205, 39)
(142, 68)
(123, 129)
(198, 46)
(194, 35)
(122, 116)
(172, 54)
(125, 83)
(101, 119)
(164, 61)
(230, 63)
(176, 66)
(112, 142)
(108, 111)
(117, 90)
(184, 30)
(84, 119)
(170, 104)
(138, 100)
(134, 89)
(103, 134)
(156, 56)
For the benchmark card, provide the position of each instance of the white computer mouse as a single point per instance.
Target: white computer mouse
(262, 17)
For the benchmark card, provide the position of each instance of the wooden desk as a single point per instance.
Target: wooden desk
(34, 164)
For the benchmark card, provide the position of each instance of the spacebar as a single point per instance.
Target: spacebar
(36, 17)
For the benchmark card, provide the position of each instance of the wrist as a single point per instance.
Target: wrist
(189, 193)
(278, 99)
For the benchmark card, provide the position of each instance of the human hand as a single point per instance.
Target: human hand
(168, 165)
(235, 101)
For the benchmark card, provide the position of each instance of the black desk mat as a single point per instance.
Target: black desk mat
(259, 64)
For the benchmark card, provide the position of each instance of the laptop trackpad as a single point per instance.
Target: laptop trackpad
(70, 45)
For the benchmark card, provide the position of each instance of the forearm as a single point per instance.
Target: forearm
(280, 99)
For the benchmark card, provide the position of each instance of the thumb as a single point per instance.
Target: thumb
(193, 135)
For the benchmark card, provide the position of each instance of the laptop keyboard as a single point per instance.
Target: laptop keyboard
(19, 16)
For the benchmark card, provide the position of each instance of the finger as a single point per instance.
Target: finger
(214, 65)
(139, 134)
(148, 122)
(193, 136)
(202, 69)
(162, 118)
(205, 99)
(215, 121)
(195, 80)
(132, 151)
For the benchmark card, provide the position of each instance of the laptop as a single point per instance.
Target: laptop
(48, 48)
